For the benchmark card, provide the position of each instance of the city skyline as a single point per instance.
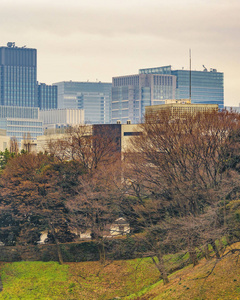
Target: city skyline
(99, 40)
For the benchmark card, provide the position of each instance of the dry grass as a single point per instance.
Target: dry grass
(210, 280)
(115, 279)
(93, 281)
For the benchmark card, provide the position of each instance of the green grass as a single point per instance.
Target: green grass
(34, 280)
(129, 279)
(86, 280)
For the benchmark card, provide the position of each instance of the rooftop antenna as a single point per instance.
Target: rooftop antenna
(190, 77)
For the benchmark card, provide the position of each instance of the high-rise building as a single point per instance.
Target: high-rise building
(47, 96)
(203, 87)
(130, 95)
(18, 76)
(93, 97)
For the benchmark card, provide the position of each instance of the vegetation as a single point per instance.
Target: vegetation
(210, 280)
(178, 188)
(128, 279)
(90, 280)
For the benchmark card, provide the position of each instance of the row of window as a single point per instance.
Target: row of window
(24, 129)
(24, 123)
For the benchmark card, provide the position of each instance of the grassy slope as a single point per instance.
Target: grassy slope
(90, 280)
(87, 280)
(203, 282)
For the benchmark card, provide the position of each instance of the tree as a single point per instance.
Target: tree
(27, 142)
(96, 204)
(4, 158)
(31, 196)
(20, 195)
(182, 159)
(91, 146)
(14, 148)
(181, 165)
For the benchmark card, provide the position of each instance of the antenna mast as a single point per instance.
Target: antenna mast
(190, 77)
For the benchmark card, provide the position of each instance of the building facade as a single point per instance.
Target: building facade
(93, 97)
(233, 108)
(207, 87)
(130, 95)
(179, 108)
(122, 133)
(61, 118)
(18, 80)
(20, 122)
(47, 96)
(4, 140)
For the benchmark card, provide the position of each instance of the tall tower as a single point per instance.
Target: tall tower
(18, 76)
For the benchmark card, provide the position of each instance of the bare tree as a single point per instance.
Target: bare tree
(181, 166)
(96, 204)
(27, 142)
(182, 159)
(92, 146)
(14, 145)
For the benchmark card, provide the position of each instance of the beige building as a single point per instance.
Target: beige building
(178, 108)
(4, 140)
(124, 132)
(119, 227)
(61, 118)
(128, 131)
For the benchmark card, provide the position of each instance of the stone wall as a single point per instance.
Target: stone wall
(72, 252)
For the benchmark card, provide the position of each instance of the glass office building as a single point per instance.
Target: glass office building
(93, 97)
(207, 87)
(130, 95)
(47, 96)
(20, 121)
(18, 80)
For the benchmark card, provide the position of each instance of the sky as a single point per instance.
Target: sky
(96, 40)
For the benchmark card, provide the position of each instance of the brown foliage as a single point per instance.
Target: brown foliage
(183, 159)
(87, 145)
(181, 168)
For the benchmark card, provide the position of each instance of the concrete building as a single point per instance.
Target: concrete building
(61, 118)
(130, 95)
(18, 80)
(4, 140)
(207, 86)
(93, 97)
(178, 108)
(122, 132)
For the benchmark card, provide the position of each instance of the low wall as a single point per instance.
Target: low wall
(126, 248)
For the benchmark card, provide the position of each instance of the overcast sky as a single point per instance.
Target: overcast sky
(96, 40)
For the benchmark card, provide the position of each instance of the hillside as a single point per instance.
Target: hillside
(90, 280)
(210, 280)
